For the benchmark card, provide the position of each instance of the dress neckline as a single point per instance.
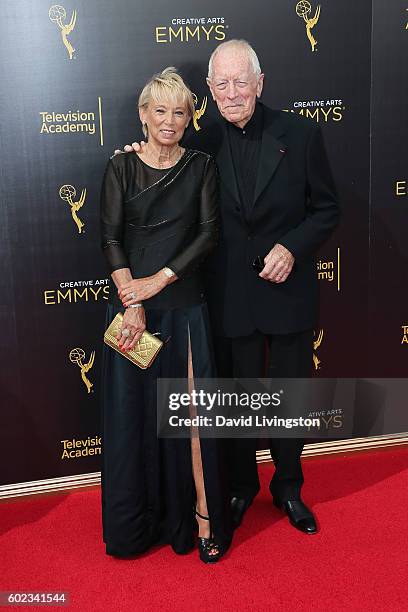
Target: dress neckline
(162, 169)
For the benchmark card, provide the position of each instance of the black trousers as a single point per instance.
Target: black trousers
(257, 356)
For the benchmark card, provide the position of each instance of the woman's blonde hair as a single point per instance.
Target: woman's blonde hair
(166, 86)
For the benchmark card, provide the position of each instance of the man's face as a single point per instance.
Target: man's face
(234, 85)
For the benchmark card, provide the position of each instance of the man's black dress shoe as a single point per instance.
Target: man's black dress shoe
(299, 515)
(238, 508)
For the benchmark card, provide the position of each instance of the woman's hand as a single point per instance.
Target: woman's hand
(134, 322)
(140, 289)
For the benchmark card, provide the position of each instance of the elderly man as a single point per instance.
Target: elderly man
(278, 206)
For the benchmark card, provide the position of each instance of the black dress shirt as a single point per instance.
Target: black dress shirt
(245, 145)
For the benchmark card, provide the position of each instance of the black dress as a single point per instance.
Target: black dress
(152, 218)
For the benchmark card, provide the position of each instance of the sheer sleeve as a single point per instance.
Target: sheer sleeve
(112, 220)
(206, 239)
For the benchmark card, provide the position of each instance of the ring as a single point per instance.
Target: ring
(125, 332)
(133, 295)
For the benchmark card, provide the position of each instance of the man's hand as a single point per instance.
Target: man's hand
(135, 146)
(278, 264)
(140, 289)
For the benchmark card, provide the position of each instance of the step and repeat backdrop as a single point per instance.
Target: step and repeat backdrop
(71, 75)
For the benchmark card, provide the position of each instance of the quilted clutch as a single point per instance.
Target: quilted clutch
(145, 350)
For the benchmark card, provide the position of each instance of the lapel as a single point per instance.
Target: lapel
(272, 149)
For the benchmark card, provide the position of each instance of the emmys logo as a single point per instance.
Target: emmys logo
(77, 355)
(74, 292)
(401, 188)
(331, 419)
(303, 10)
(199, 112)
(68, 193)
(316, 345)
(192, 29)
(322, 111)
(58, 15)
(404, 334)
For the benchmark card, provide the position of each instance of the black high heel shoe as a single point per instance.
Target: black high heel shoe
(206, 546)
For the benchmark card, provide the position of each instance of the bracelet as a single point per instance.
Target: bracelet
(138, 305)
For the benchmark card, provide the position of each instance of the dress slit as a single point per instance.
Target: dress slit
(197, 465)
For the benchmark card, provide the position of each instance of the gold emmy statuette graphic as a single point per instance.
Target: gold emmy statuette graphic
(77, 355)
(316, 344)
(67, 193)
(199, 112)
(304, 9)
(58, 15)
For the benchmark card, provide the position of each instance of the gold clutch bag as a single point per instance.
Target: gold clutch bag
(145, 350)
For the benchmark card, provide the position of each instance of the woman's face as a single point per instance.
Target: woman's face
(166, 121)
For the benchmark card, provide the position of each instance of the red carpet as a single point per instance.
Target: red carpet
(358, 561)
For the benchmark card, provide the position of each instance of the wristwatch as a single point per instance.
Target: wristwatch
(169, 273)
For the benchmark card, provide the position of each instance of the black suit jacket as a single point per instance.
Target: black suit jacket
(295, 204)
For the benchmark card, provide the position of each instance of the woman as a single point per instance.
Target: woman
(159, 222)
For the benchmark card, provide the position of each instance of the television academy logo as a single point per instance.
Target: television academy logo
(316, 344)
(68, 193)
(329, 270)
(58, 15)
(304, 10)
(75, 448)
(77, 355)
(73, 122)
(199, 112)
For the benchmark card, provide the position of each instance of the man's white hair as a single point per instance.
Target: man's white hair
(237, 44)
